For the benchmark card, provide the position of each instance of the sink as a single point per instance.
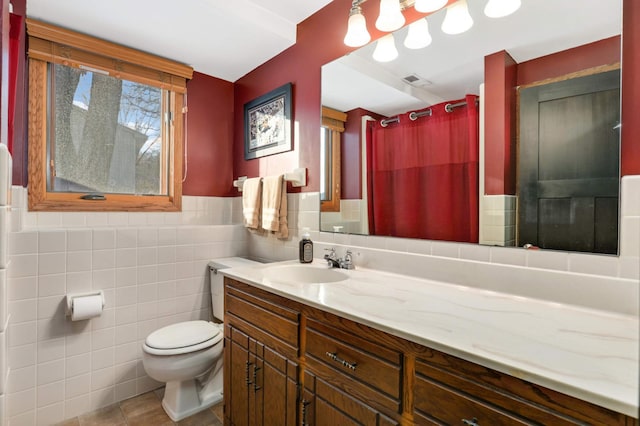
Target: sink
(303, 274)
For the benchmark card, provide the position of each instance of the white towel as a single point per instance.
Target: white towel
(252, 202)
(274, 206)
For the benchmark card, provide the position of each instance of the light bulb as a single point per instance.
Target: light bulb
(426, 6)
(357, 34)
(501, 8)
(390, 18)
(457, 20)
(385, 49)
(418, 35)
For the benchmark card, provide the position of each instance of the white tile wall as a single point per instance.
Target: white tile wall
(153, 270)
(498, 220)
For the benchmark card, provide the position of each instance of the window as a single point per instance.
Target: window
(105, 125)
(330, 164)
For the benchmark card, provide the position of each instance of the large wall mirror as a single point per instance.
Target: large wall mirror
(420, 136)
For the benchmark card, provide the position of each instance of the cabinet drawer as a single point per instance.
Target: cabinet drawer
(451, 407)
(263, 318)
(474, 387)
(357, 358)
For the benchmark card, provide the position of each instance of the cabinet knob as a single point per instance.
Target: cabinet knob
(472, 422)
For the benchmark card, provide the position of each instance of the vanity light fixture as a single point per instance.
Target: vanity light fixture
(426, 6)
(357, 34)
(457, 20)
(385, 50)
(418, 35)
(501, 8)
(391, 17)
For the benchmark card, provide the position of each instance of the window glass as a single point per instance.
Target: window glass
(105, 134)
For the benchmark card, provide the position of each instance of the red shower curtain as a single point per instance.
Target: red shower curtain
(424, 175)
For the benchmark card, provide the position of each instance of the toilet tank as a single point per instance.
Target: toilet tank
(217, 280)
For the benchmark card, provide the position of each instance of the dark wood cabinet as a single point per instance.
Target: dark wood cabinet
(287, 363)
(261, 383)
(327, 405)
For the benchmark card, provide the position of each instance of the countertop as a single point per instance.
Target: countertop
(589, 354)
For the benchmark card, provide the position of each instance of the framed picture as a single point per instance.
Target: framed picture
(267, 123)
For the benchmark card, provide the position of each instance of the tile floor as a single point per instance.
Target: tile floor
(144, 410)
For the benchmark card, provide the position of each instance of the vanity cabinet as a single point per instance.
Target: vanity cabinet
(287, 363)
(453, 391)
(261, 374)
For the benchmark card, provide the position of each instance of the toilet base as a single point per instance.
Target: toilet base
(185, 398)
(182, 399)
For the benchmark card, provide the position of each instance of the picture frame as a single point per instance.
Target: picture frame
(268, 123)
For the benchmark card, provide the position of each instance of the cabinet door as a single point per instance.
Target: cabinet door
(325, 405)
(274, 388)
(237, 368)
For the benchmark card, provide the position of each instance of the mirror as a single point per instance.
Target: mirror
(453, 66)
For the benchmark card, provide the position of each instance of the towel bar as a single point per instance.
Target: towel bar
(297, 177)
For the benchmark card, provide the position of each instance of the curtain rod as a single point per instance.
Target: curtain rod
(413, 116)
(386, 122)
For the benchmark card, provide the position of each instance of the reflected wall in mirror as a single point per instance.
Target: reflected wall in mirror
(559, 58)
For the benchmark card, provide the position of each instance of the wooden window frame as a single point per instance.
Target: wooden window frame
(51, 44)
(334, 121)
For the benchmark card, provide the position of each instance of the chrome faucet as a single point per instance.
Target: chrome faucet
(334, 262)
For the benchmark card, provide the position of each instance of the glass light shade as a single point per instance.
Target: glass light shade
(418, 35)
(391, 17)
(501, 8)
(426, 6)
(457, 20)
(385, 49)
(357, 34)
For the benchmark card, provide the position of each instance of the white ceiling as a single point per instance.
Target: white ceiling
(222, 38)
(454, 65)
(228, 39)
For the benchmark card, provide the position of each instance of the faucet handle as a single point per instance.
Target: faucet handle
(347, 263)
(331, 254)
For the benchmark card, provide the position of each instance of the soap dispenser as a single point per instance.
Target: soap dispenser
(306, 247)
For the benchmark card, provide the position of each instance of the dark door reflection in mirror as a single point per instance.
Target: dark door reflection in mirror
(454, 66)
(569, 164)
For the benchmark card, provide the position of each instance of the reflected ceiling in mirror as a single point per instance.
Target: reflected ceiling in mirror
(451, 67)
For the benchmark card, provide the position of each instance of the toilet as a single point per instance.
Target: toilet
(187, 356)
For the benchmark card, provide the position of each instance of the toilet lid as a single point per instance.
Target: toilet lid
(183, 335)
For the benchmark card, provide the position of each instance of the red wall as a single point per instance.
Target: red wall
(319, 41)
(500, 99)
(209, 164)
(631, 89)
(351, 150)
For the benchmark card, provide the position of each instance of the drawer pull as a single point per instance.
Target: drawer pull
(246, 371)
(256, 388)
(304, 412)
(334, 356)
(472, 422)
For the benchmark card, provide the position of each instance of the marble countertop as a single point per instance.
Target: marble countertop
(589, 354)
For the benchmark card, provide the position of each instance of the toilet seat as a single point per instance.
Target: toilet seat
(182, 338)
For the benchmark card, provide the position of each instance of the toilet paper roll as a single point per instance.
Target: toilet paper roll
(86, 307)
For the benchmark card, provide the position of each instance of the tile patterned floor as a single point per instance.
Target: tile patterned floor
(144, 410)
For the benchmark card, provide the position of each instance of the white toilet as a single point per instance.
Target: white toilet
(187, 356)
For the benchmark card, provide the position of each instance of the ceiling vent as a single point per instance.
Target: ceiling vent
(416, 80)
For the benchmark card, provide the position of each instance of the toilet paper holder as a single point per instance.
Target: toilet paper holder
(70, 297)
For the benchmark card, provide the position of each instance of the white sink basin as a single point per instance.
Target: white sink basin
(303, 274)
